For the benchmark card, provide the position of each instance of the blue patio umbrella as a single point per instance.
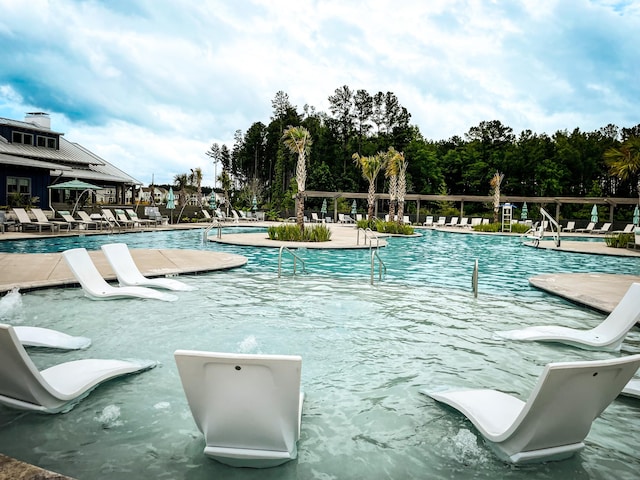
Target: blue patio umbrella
(524, 211)
(212, 201)
(171, 202)
(254, 203)
(594, 214)
(354, 208)
(636, 216)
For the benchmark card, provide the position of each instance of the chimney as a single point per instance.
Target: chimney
(40, 119)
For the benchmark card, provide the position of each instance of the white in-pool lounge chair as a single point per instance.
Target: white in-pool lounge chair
(249, 407)
(607, 336)
(632, 388)
(55, 389)
(47, 338)
(125, 268)
(96, 287)
(553, 423)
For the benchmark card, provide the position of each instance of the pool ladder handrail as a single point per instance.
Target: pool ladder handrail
(368, 235)
(381, 265)
(295, 259)
(214, 224)
(536, 233)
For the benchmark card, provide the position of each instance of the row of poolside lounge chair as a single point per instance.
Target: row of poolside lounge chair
(119, 218)
(463, 222)
(249, 407)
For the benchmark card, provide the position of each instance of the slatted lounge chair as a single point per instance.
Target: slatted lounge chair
(25, 221)
(553, 423)
(141, 222)
(464, 222)
(315, 218)
(452, 223)
(588, 229)
(41, 217)
(95, 287)
(123, 220)
(236, 217)
(571, 226)
(245, 216)
(47, 338)
(603, 229)
(428, 222)
(476, 221)
(207, 216)
(441, 221)
(406, 220)
(249, 407)
(607, 336)
(91, 222)
(56, 389)
(126, 270)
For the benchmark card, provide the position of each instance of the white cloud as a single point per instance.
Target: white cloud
(150, 86)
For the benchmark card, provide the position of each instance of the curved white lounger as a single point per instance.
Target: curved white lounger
(632, 389)
(249, 407)
(607, 336)
(47, 338)
(557, 417)
(56, 389)
(128, 274)
(96, 287)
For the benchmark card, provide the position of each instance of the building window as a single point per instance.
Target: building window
(18, 190)
(20, 137)
(46, 142)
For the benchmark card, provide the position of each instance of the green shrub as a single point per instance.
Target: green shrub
(618, 240)
(292, 233)
(497, 227)
(386, 227)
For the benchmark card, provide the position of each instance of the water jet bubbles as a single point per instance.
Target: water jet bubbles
(248, 345)
(10, 304)
(467, 450)
(109, 417)
(162, 406)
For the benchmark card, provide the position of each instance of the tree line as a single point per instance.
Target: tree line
(605, 162)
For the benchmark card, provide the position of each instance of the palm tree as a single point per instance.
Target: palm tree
(402, 183)
(495, 187)
(180, 181)
(391, 172)
(196, 178)
(624, 162)
(298, 140)
(370, 167)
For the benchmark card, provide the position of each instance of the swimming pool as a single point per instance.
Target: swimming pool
(366, 351)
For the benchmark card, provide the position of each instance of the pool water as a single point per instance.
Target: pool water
(366, 351)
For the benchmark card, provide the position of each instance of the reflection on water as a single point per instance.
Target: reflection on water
(366, 351)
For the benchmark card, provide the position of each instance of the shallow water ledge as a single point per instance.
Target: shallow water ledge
(12, 469)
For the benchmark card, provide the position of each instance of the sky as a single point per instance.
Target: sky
(150, 85)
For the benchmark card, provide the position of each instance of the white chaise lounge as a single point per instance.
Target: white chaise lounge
(607, 336)
(553, 423)
(95, 287)
(47, 338)
(126, 270)
(248, 407)
(56, 389)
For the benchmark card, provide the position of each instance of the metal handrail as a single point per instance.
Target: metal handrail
(295, 258)
(368, 235)
(381, 265)
(214, 224)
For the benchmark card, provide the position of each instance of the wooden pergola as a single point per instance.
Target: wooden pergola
(612, 202)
